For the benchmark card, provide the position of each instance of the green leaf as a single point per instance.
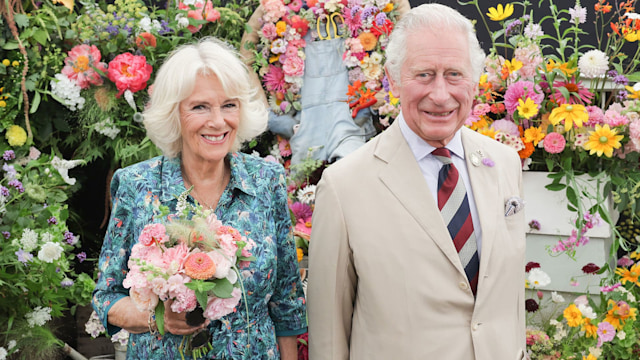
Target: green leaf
(223, 288)
(200, 285)
(41, 36)
(10, 45)
(160, 317)
(572, 197)
(202, 298)
(22, 20)
(35, 103)
(555, 187)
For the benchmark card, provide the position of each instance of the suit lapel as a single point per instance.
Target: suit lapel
(485, 186)
(402, 176)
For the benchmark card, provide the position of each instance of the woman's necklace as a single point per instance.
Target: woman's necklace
(216, 195)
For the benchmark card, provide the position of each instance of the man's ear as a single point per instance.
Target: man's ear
(393, 85)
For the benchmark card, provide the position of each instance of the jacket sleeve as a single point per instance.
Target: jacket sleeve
(114, 255)
(287, 305)
(332, 277)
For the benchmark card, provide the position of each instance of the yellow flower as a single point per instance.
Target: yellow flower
(388, 7)
(527, 109)
(618, 313)
(15, 63)
(3, 103)
(6, 62)
(490, 132)
(631, 36)
(603, 140)
(633, 93)
(590, 330)
(16, 136)
(564, 67)
(480, 124)
(573, 316)
(300, 254)
(274, 58)
(513, 65)
(630, 275)
(393, 100)
(570, 113)
(281, 27)
(500, 13)
(635, 255)
(590, 357)
(534, 135)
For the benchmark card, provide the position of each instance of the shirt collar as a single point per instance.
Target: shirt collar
(421, 148)
(172, 184)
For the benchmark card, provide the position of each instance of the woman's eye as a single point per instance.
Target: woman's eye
(230, 105)
(199, 107)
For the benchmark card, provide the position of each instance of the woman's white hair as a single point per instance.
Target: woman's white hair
(435, 18)
(176, 80)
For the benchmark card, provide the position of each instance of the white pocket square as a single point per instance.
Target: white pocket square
(513, 205)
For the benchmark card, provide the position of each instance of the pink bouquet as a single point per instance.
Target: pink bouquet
(190, 261)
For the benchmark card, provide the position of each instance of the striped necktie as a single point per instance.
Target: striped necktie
(454, 207)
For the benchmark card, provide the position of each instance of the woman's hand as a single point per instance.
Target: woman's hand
(176, 323)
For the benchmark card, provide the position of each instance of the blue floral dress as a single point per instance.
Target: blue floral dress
(254, 202)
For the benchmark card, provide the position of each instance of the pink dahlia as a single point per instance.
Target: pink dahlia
(634, 133)
(554, 143)
(129, 72)
(578, 94)
(614, 118)
(274, 79)
(596, 116)
(522, 90)
(81, 64)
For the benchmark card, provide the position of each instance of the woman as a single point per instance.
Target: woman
(202, 109)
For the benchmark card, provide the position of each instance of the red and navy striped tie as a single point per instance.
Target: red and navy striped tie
(454, 207)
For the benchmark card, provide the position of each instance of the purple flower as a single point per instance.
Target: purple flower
(620, 80)
(488, 162)
(6, 234)
(531, 305)
(23, 257)
(9, 155)
(612, 73)
(381, 18)
(69, 238)
(625, 261)
(10, 170)
(4, 191)
(534, 225)
(16, 184)
(66, 283)
(81, 256)
(52, 220)
(512, 27)
(165, 28)
(301, 210)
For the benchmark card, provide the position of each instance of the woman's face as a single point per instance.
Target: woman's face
(209, 121)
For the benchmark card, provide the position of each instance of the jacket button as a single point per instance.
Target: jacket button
(463, 285)
(475, 327)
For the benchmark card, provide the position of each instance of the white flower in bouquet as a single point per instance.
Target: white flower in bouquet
(29, 240)
(68, 92)
(307, 195)
(63, 167)
(39, 316)
(594, 63)
(538, 278)
(557, 298)
(50, 252)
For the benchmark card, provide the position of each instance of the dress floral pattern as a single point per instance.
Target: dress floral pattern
(254, 202)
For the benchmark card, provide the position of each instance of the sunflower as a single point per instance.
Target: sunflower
(500, 13)
(603, 140)
(570, 113)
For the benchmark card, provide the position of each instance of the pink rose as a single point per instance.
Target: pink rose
(143, 298)
(293, 66)
(129, 72)
(217, 308)
(80, 64)
(153, 233)
(223, 264)
(269, 31)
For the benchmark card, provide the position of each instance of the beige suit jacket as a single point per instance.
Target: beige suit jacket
(385, 281)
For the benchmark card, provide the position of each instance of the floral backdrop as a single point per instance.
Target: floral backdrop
(75, 78)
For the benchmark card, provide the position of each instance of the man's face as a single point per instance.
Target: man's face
(436, 89)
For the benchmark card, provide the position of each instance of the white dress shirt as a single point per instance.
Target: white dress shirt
(430, 167)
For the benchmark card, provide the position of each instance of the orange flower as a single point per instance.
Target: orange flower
(604, 8)
(591, 330)
(145, 39)
(527, 151)
(199, 266)
(368, 41)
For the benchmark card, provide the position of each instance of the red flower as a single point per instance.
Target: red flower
(300, 24)
(145, 39)
(129, 72)
(590, 268)
(303, 346)
(531, 265)
(531, 305)
(386, 28)
(206, 12)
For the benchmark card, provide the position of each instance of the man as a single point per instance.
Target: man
(388, 278)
